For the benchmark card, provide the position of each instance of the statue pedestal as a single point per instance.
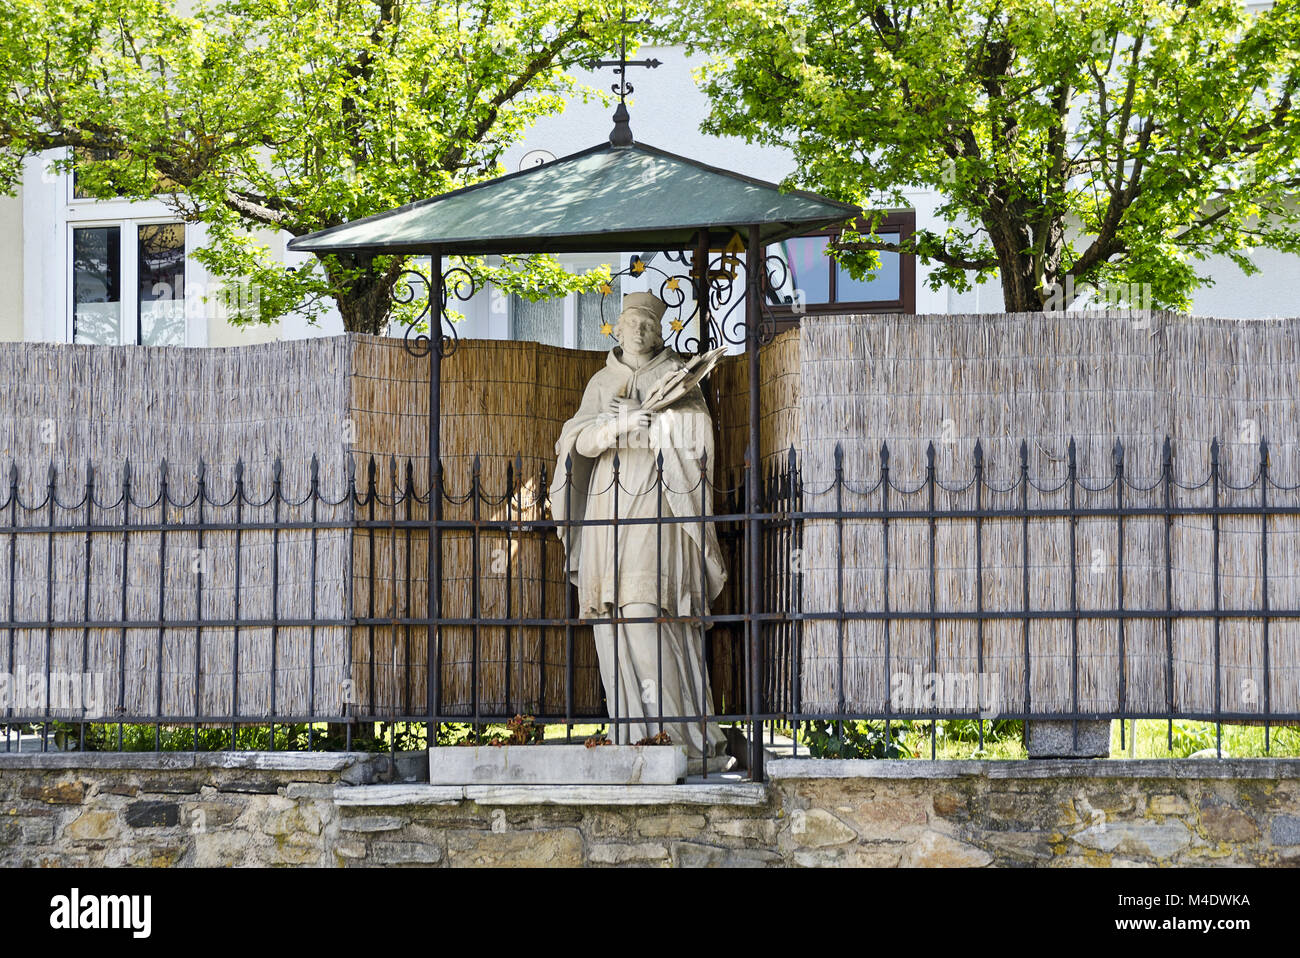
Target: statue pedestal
(557, 765)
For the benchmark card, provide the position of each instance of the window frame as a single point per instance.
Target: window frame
(128, 250)
(901, 221)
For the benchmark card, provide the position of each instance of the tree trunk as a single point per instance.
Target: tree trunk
(1011, 244)
(364, 302)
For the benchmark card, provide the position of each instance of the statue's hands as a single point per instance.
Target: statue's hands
(629, 414)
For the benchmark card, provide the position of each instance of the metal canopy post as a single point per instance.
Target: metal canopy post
(700, 269)
(433, 644)
(753, 313)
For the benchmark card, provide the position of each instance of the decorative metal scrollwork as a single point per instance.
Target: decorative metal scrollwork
(457, 281)
(726, 318)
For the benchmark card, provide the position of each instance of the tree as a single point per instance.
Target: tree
(294, 115)
(1103, 143)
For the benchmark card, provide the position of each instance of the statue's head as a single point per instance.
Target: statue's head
(641, 322)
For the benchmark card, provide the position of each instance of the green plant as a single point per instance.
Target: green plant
(968, 730)
(1189, 738)
(854, 739)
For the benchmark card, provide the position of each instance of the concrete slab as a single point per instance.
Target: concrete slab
(557, 765)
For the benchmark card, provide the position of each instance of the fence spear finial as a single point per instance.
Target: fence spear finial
(979, 454)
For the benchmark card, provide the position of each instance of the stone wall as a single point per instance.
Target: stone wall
(347, 810)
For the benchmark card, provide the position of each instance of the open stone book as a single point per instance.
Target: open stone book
(678, 384)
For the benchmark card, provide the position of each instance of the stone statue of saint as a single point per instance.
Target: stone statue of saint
(661, 568)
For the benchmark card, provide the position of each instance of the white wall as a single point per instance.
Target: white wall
(11, 267)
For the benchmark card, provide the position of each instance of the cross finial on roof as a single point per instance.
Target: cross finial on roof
(621, 135)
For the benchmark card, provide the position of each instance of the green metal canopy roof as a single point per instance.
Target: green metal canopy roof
(605, 199)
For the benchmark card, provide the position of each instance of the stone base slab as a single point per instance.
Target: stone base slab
(557, 765)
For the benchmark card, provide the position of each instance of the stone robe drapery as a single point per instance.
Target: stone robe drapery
(675, 567)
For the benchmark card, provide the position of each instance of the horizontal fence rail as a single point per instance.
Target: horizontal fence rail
(248, 605)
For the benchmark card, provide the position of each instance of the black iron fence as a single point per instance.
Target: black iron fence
(219, 606)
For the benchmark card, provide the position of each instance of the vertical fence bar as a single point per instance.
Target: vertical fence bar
(1024, 514)
(704, 665)
(13, 553)
(568, 596)
(408, 497)
(1264, 600)
(162, 598)
(349, 598)
(884, 551)
(85, 599)
(520, 607)
(1073, 479)
(510, 494)
(476, 496)
(200, 496)
(615, 614)
(543, 631)
(792, 605)
(392, 604)
(839, 588)
(659, 587)
(121, 650)
(276, 496)
(934, 623)
(372, 494)
(52, 494)
(1119, 585)
(979, 588)
(798, 597)
(311, 608)
(1214, 526)
(239, 556)
(1167, 480)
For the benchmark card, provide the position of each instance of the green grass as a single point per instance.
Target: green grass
(959, 740)
(1239, 741)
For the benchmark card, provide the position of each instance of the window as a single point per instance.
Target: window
(129, 293)
(815, 283)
